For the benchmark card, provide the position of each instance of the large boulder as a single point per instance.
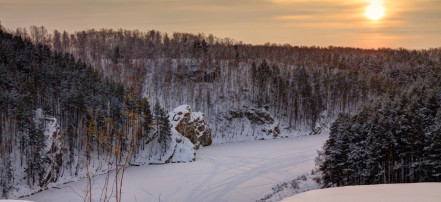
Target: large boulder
(192, 125)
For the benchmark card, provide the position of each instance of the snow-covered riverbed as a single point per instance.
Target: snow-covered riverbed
(243, 171)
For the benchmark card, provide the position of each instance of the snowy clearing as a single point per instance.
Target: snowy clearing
(243, 171)
(428, 192)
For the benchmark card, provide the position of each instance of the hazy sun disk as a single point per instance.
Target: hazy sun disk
(374, 11)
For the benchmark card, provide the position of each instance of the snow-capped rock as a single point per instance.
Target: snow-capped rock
(189, 132)
(192, 125)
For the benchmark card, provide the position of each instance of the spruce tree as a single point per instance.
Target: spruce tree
(165, 130)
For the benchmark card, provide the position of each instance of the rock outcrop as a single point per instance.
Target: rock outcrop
(202, 76)
(247, 124)
(52, 151)
(190, 131)
(192, 125)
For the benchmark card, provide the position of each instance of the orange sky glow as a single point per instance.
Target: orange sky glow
(406, 23)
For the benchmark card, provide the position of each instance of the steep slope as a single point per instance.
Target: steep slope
(61, 120)
(300, 88)
(54, 110)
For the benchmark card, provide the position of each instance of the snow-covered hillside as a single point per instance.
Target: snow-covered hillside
(51, 149)
(242, 171)
(229, 99)
(427, 192)
(181, 148)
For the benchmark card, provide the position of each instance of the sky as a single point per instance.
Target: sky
(412, 24)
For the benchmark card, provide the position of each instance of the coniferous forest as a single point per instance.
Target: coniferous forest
(395, 138)
(300, 86)
(383, 106)
(92, 115)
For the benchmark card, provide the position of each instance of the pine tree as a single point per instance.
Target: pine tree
(146, 115)
(162, 126)
(432, 150)
(147, 120)
(116, 55)
(165, 135)
(336, 153)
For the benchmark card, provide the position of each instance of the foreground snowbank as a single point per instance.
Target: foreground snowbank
(427, 192)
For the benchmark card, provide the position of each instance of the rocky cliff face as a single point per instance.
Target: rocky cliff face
(190, 131)
(192, 125)
(52, 160)
(53, 150)
(247, 124)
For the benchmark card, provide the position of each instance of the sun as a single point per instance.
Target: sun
(374, 11)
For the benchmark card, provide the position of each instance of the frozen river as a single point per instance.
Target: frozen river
(243, 171)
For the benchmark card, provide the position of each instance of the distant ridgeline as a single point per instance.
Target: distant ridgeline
(247, 91)
(60, 119)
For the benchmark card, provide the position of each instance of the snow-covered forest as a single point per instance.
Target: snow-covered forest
(247, 91)
(78, 104)
(61, 120)
(395, 138)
